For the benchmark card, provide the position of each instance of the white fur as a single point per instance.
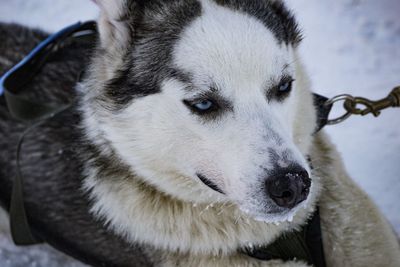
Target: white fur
(113, 32)
(141, 214)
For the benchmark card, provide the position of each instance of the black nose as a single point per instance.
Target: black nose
(288, 187)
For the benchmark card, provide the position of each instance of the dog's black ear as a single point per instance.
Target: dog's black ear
(114, 23)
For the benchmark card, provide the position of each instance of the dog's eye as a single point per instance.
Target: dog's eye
(285, 86)
(203, 105)
(282, 89)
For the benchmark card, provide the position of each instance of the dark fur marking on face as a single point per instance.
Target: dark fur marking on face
(179, 75)
(272, 135)
(156, 29)
(123, 87)
(210, 184)
(273, 14)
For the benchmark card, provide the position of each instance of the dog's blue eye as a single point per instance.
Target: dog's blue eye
(282, 90)
(285, 87)
(204, 105)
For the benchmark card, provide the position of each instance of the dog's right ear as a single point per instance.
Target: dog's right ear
(114, 23)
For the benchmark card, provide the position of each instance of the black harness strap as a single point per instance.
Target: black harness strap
(289, 246)
(314, 240)
(323, 110)
(304, 245)
(19, 225)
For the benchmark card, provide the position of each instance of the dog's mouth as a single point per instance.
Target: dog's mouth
(209, 183)
(265, 209)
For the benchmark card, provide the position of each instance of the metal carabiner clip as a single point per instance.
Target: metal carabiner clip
(352, 105)
(336, 99)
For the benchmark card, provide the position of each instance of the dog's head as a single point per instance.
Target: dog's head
(205, 100)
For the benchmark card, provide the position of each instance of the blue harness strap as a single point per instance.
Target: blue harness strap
(17, 77)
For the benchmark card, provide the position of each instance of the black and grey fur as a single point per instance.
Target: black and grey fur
(52, 158)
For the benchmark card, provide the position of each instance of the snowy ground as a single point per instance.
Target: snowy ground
(350, 46)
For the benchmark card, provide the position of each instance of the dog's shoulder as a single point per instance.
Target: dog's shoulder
(353, 227)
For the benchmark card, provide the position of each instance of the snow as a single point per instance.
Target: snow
(350, 46)
(35, 256)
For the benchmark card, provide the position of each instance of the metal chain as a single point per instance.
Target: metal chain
(363, 106)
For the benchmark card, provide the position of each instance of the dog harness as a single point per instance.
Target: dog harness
(305, 245)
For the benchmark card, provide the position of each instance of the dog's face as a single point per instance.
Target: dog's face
(205, 100)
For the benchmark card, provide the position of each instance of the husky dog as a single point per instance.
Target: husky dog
(192, 137)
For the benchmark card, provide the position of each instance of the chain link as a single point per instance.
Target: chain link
(363, 106)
